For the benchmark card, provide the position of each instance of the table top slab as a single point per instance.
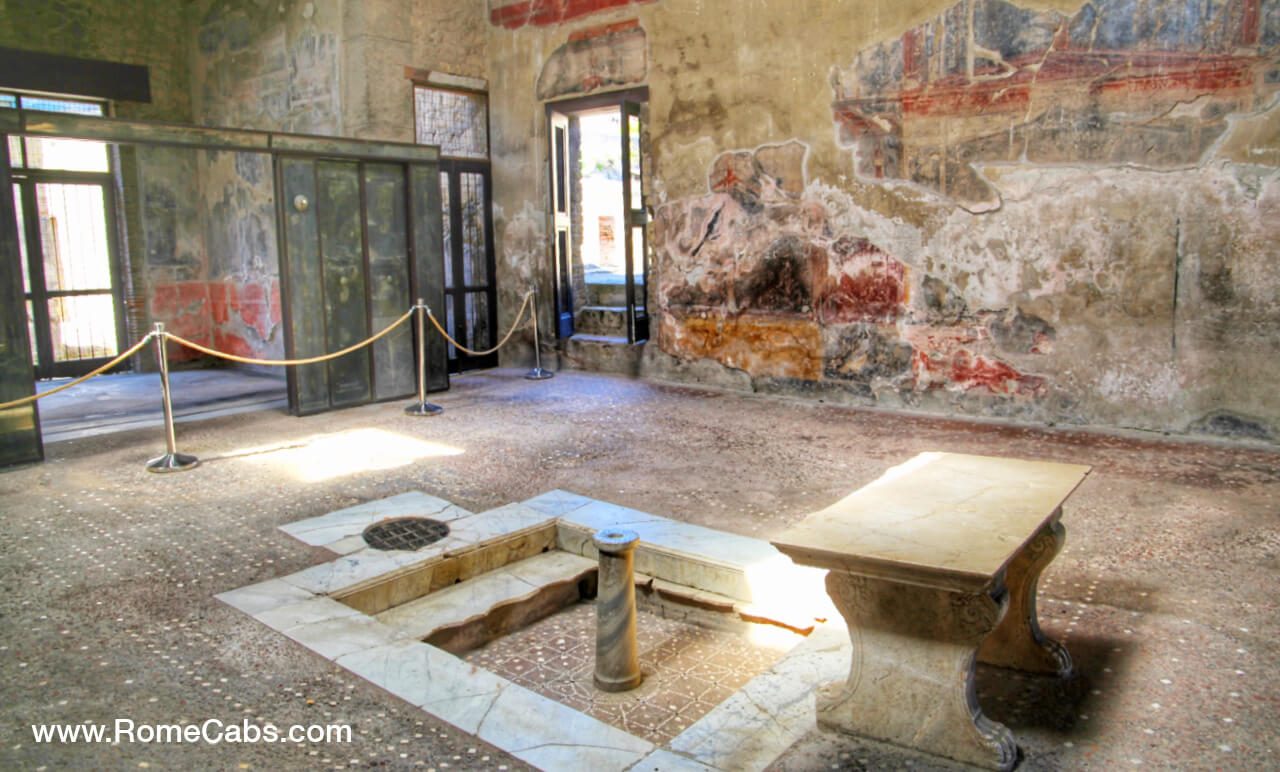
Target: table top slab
(941, 519)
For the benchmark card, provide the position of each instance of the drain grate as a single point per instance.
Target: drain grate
(405, 533)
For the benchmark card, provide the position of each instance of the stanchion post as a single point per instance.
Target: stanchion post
(172, 460)
(422, 406)
(537, 373)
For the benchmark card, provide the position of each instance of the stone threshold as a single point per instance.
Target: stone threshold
(354, 611)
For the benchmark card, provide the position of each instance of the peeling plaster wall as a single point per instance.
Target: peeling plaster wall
(269, 67)
(1060, 213)
(323, 67)
(153, 33)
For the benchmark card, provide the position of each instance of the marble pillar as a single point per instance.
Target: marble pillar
(617, 651)
(911, 677)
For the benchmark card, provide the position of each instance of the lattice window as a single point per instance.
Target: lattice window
(457, 121)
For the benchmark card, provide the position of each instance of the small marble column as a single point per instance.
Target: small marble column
(617, 652)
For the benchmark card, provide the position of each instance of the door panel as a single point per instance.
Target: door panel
(385, 201)
(308, 384)
(74, 311)
(346, 308)
(563, 241)
(636, 247)
(429, 263)
(354, 262)
(19, 426)
(469, 262)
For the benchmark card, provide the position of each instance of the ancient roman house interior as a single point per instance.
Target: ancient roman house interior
(640, 385)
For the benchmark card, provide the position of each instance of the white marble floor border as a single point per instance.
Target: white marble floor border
(745, 732)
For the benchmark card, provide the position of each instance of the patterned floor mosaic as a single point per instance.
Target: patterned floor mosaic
(688, 669)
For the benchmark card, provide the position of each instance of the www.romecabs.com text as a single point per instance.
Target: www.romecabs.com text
(212, 732)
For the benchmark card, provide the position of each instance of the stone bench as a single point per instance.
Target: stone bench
(924, 564)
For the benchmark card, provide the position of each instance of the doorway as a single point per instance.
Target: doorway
(64, 208)
(600, 244)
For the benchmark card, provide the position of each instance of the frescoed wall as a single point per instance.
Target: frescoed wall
(1047, 211)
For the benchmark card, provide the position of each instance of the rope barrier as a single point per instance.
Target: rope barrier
(501, 343)
(281, 362)
(277, 362)
(81, 379)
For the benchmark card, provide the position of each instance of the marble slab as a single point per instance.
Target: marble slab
(497, 522)
(527, 725)
(663, 760)
(343, 524)
(361, 566)
(427, 677)
(557, 503)
(264, 596)
(479, 595)
(941, 519)
(552, 736)
(775, 709)
(739, 567)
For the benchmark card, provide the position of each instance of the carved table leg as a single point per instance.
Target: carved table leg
(911, 678)
(1018, 642)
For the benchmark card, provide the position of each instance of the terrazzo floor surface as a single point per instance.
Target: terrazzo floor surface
(1165, 594)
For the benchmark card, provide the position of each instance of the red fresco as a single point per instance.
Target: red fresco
(276, 316)
(967, 371)
(219, 302)
(254, 309)
(866, 285)
(200, 312)
(231, 343)
(543, 13)
(183, 308)
(1110, 72)
(603, 30)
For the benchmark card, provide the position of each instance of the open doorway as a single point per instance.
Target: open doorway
(65, 215)
(600, 245)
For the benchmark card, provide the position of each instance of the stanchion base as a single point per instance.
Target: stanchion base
(423, 408)
(173, 462)
(538, 374)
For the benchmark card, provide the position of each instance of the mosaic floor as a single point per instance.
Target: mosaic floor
(1161, 594)
(688, 669)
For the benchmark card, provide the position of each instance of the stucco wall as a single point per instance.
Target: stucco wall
(310, 67)
(268, 67)
(153, 33)
(1055, 214)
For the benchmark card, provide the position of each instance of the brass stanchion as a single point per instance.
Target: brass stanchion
(537, 373)
(172, 461)
(422, 406)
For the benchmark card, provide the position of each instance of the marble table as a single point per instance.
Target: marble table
(924, 564)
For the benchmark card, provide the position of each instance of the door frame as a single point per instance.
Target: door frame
(39, 295)
(562, 274)
(452, 169)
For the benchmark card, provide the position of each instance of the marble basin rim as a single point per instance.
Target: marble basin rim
(336, 609)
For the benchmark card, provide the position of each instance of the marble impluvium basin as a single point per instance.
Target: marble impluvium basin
(396, 619)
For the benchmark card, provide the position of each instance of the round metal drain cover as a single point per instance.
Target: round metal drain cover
(405, 533)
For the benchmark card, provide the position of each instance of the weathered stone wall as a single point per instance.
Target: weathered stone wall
(451, 37)
(1053, 213)
(268, 67)
(153, 33)
(310, 67)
